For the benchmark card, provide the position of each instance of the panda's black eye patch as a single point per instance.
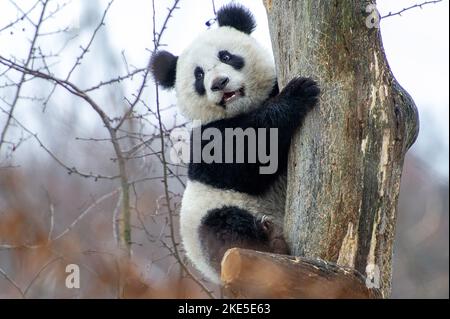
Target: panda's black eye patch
(199, 85)
(199, 74)
(235, 61)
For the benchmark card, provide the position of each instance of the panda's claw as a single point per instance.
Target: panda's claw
(302, 89)
(298, 97)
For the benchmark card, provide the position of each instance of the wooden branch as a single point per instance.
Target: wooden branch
(253, 274)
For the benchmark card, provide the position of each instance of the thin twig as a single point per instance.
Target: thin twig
(12, 282)
(156, 42)
(19, 85)
(20, 18)
(85, 212)
(91, 40)
(33, 280)
(51, 212)
(67, 229)
(214, 7)
(175, 251)
(121, 162)
(83, 52)
(115, 80)
(70, 170)
(418, 5)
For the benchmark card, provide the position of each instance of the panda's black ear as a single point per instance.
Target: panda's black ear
(163, 66)
(236, 16)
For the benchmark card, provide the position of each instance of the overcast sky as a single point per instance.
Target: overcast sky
(416, 45)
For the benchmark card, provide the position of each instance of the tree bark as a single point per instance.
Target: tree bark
(346, 160)
(253, 274)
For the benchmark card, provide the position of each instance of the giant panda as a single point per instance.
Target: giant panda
(227, 80)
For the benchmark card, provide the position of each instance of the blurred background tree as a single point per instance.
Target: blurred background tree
(63, 195)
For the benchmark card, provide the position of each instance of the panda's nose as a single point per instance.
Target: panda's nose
(219, 84)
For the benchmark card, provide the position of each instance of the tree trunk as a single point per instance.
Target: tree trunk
(346, 161)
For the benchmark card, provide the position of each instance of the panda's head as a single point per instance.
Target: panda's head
(224, 72)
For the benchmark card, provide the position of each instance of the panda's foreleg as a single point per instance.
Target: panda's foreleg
(230, 226)
(287, 110)
(284, 112)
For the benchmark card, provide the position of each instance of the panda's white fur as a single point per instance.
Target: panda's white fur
(199, 198)
(213, 194)
(258, 74)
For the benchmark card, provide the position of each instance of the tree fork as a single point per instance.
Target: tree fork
(346, 160)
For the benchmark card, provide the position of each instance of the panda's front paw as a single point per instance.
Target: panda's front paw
(301, 90)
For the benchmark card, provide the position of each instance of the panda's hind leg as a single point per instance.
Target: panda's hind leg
(230, 226)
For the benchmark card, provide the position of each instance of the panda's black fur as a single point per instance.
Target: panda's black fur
(237, 17)
(164, 68)
(233, 205)
(282, 112)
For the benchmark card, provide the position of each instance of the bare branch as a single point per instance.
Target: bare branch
(33, 280)
(214, 7)
(115, 80)
(91, 40)
(418, 5)
(85, 212)
(19, 85)
(51, 212)
(83, 52)
(172, 236)
(12, 282)
(20, 18)
(70, 170)
(156, 41)
(158, 35)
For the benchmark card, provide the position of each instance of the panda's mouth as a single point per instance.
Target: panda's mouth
(231, 96)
